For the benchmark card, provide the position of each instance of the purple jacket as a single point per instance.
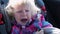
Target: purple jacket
(37, 25)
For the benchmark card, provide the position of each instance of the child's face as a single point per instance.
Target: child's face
(22, 14)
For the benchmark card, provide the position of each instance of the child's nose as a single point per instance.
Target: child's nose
(24, 14)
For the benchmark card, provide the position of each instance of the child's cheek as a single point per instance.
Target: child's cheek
(29, 17)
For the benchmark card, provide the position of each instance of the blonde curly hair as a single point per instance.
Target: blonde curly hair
(13, 3)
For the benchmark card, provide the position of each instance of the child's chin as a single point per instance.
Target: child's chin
(24, 22)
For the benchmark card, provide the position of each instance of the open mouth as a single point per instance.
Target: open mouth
(24, 20)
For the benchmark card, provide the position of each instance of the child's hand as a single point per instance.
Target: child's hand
(51, 30)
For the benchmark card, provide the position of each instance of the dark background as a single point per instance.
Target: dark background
(53, 11)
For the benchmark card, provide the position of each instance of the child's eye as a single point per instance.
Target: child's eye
(27, 10)
(19, 12)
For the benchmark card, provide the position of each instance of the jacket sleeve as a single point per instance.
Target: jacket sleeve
(45, 24)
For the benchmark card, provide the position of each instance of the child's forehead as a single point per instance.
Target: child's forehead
(19, 7)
